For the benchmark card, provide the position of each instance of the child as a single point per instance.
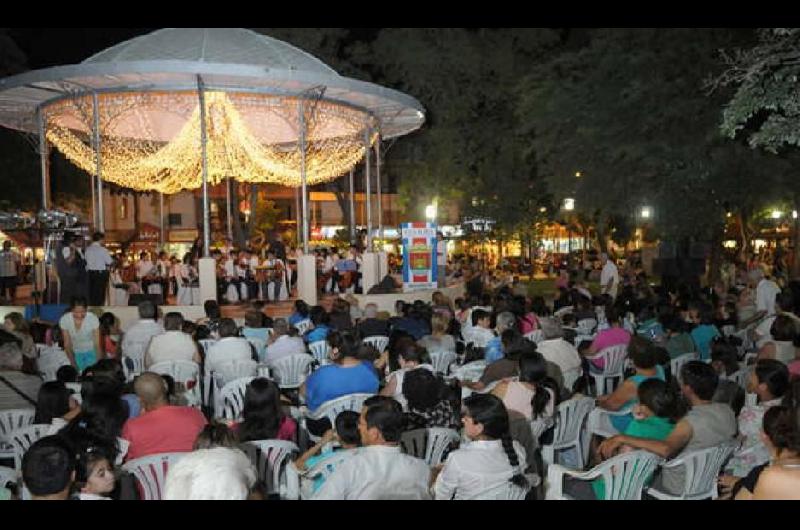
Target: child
(347, 434)
(94, 475)
(654, 417)
(109, 335)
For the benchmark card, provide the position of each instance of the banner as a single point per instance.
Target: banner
(419, 256)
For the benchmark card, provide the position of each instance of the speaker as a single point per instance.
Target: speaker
(136, 299)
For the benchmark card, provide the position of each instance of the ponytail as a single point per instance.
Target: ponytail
(518, 479)
(541, 396)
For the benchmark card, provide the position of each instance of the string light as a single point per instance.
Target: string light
(251, 138)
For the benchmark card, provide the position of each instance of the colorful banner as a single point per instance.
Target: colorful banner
(419, 256)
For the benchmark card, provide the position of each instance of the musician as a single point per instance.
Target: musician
(251, 263)
(163, 267)
(145, 271)
(175, 274)
(276, 272)
(230, 272)
(71, 267)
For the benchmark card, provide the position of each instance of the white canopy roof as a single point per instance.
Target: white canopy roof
(228, 60)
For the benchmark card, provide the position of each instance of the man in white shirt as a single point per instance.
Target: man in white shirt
(609, 277)
(281, 343)
(9, 271)
(765, 295)
(137, 338)
(145, 271)
(558, 351)
(481, 333)
(172, 345)
(230, 347)
(97, 262)
(379, 470)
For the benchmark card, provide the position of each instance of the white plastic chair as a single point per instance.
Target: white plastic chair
(599, 421)
(741, 376)
(569, 420)
(133, 359)
(470, 371)
(442, 361)
(11, 420)
(291, 371)
(586, 326)
(260, 345)
(536, 336)
(701, 469)
(264, 371)
(677, 363)
(22, 439)
(614, 358)
(207, 344)
(270, 460)
(378, 341)
(563, 311)
(430, 444)
(7, 476)
(303, 326)
(223, 373)
(186, 373)
(505, 492)
(331, 409)
(151, 473)
(300, 485)
(624, 475)
(319, 350)
(230, 401)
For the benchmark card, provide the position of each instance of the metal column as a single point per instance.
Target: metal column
(299, 217)
(94, 202)
(228, 208)
(161, 219)
(368, 190)
(99, 163)
(43, 157)
(302, 144)
(378, 188)
(204, 157)
(352, 209)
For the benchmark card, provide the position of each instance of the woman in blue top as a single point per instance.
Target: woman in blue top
(704, 332)
(321, 329)
(347, 375)
(643, 355)
(301, 310)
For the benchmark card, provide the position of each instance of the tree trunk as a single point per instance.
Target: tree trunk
(743, 232)
(601, 229)
(238, 233)
(715, 259)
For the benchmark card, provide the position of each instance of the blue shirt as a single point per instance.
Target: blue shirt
(621, 422)
(702, 336)
(415, 328)
(494, 350)
(255, 333)
(333, 381)
(295, 318)
(319, 333)
(134, 405)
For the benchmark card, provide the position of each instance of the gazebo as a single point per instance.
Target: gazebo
(181, 108)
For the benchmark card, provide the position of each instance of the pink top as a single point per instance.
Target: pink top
(286, 431)
(528, 323)
(794, 368)
(518, 399)
(167, 429)
(609, 337)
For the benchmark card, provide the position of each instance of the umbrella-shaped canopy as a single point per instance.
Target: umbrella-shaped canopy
(261, 96)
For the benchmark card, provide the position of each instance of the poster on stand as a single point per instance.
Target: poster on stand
(419, 256)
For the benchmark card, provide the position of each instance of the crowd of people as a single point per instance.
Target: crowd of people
(532, 356)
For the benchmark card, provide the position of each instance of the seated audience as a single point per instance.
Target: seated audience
(230, 346)
(429, 403)
(254, 326)
(705, 331)
(284, 342)
(411, 357)
(371, 325)
(48, 469)
(94, 477)
(438, 340)
(263, 414)
(781, 347)
(172, 345)
(137, 337)
(217, 474)
(347, 437)
(535, 395)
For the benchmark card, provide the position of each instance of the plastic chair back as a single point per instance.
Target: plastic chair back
(291, 371)
(270, 458)
(432, 445)
(151, 473)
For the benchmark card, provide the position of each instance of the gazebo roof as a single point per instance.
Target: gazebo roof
(227, 59)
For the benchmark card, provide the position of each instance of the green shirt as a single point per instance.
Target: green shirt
(680, 344)
(652, 428)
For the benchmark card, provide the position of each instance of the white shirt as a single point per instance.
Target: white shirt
(170, 346)
(479, 336)
(560, 352)
(253, 263)
(226, 350)
(97, 257)
(377, 472)
(284, 346)
(82, 339)
(144, 268)
(609, 272)
(137, 338)
(230, 268)
(476, 468)
(765, 295)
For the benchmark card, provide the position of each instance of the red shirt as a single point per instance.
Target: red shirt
(167, 429)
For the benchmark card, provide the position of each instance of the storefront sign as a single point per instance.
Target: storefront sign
(178, 236)
(419, 256)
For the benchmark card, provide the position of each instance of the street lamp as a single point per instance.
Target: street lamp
(578, 174)
(776, 214)
(569, 204)
(794, 214)
(647, 212)
(430, 212)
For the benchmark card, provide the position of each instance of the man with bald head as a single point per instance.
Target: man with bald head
(161, 428)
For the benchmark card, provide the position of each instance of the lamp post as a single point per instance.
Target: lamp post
(569, 206)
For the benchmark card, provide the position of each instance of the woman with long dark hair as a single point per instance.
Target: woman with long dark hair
(490, 460)
(534, 395)
(264, 418)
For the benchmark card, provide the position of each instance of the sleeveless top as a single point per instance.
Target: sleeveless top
(518, 399)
